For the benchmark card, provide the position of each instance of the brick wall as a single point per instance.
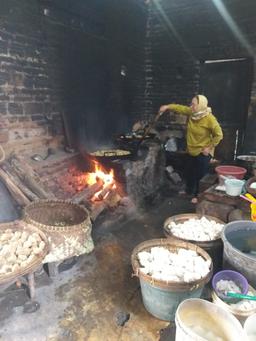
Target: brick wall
(64, 57)
(30, 89)
(180, 34)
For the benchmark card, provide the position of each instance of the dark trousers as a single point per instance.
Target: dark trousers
(197, 168)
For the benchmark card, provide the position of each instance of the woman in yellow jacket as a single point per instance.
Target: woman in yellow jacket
(203, 135)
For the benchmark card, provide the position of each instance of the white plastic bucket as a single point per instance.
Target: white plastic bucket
(250, 327)
(199, 320)
(241, 315)
(234, 187)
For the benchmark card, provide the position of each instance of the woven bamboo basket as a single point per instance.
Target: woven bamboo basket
(67, 226)
(22, 226)
(173, 246)
(181, 218)
(213, 247)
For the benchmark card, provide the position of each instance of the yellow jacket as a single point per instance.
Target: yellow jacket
(205, 132)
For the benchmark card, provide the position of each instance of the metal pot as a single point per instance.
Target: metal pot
(247, 161)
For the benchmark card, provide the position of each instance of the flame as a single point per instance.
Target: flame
(100, 173)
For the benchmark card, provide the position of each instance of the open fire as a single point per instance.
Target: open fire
(107, 179)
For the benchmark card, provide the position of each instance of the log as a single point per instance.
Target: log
(30, 178)
(87, 193)
(107, 189)
(113, 199)
(15, 179)
(97, 208)
(16, 193)
(21, 165)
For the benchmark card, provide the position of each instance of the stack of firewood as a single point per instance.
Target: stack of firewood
(22, 181)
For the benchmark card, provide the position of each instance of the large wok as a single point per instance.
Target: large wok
(111, 154)
(125, 152)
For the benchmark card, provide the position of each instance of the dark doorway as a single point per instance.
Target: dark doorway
(227, 85)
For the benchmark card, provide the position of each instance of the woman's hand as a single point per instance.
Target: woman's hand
(163, 108)
(206, 151)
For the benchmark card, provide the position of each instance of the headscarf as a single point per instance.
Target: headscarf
(202, 108)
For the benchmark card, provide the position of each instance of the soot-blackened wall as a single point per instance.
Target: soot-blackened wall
(181, 34)
(64, 58)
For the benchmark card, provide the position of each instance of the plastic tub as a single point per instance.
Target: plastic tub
(250, 327)
(230, 275)
(240, 314)
(235, 171)
(162, 298)
(248, 187)
(234, 187)
(214, 247)
(239, 238)
(199, 320)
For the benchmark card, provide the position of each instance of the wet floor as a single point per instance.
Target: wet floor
(98, 299)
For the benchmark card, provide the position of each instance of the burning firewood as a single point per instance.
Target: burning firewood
(103, 194)
(88, 192)
(113, 199)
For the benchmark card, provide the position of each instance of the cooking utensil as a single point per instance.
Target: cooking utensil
(37, 157)
(112, 154)
(131, 141)
(242, 297)
(150, 126)
(247, 199)
(249, 196)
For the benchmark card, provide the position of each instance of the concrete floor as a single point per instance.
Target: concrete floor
(87, 301)
(8, 211)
